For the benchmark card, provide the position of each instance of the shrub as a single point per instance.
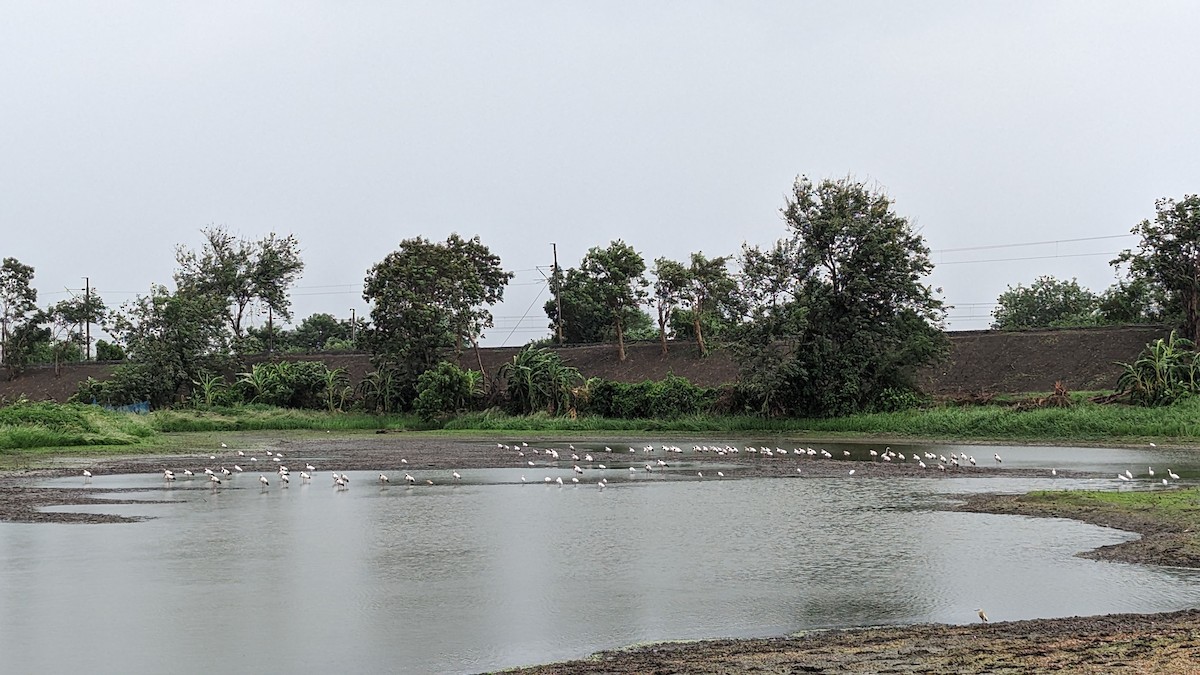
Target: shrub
(443, 389)
(670, 397)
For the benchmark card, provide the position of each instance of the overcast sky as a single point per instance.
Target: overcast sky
(125, 127)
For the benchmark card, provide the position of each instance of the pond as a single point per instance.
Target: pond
(491, 572)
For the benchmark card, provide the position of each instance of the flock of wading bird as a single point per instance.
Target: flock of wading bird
(553, 458)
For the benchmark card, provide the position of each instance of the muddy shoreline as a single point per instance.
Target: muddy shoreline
(1167, 643)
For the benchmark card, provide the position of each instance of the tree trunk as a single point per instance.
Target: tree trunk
(699, 335)
(479, 360)
(662, 330)
(620, 342)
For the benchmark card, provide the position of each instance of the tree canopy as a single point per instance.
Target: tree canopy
(18, 304)
(616, 276)
(836, 314)
(239, 271)
(1168, 259)
(428, 299)
(1046, 302)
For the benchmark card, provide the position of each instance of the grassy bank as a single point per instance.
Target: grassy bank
(46, 425)
(1167, 519)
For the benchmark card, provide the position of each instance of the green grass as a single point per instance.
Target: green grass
(27, 425)
(258, 418)
(46, 425)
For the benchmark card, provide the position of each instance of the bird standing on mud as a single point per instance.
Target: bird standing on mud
(982, 616)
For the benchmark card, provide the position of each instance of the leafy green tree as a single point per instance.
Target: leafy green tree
(617, 276)
(671, 278)
(18, 306)
(237, 272)
(1168, 258)
(586, 319)
(109, 351)
(1044, 303)
(709, 288)
(172, 340)
(428, 299)
(1133, 301)
(846, 285)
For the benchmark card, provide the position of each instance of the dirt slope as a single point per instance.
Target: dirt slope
(979, 361)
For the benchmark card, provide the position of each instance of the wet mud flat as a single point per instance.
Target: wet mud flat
(1115, 643)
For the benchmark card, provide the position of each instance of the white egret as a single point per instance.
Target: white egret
(1172, 474)
(263, 479)
(982, 616)
(1128, 474)
(851, 472)
(721, 474)
(1123, 476)
(237, 468)
(304, 475)
(309, 467)
(383, 478)
(997, 458)
(559, 481)
(224, 446)
(240, 453)
(1151, 470)
(408, 477)
(456, 475)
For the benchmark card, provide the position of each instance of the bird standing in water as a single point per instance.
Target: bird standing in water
(982, 616)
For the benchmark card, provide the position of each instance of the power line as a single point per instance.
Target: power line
(1033, 243)
(1032, 257)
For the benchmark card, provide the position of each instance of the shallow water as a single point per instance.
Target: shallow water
(491, 573)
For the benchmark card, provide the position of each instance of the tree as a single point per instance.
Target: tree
(709, 285)
(1168, 257)
(171, 340)
(585, 318)
(238, 272)
(846, 285)
(1046, 302)
(671, 278)
(616, 276)
(428, 299)
(18, 302)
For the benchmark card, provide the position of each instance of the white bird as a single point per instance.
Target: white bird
(721, 474)
(383, 478)
(237, 468)
(339, 483)
(1151, 470)
(971, 459)
(263, 479)
(309, 467)
(345, 478)
(522, 478)
(188, 473)
(851, 472)
(558, 480)
(699, 474)
(168, 475)
(284, 479)
(224, 446)
(409, 478)
(1153, 445)
(997, 458)
(1122, 476)
(1053, 472)
(240, 453)
(226, 472)
(575, 479)
(304, 475)
(1172, 474)
(1164, 481)
(212, 478)
(456, 475)
(1128, 474)
(982, 616)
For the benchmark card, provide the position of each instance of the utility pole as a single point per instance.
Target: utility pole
(353, 324)
(87, 319)
(270, 331)
(557, 279)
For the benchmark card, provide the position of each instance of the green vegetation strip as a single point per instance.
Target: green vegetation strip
(48, 425)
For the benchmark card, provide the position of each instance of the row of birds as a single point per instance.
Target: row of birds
(342, 481)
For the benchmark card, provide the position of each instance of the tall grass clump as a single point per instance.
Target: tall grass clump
(27, 424)
(263, 418)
